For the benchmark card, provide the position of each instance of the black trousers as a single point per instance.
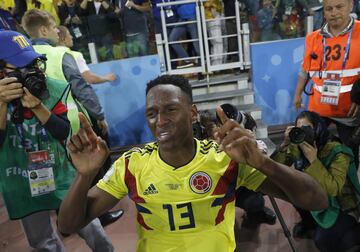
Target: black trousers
(250, 201)
(107, 163)
(343, 235)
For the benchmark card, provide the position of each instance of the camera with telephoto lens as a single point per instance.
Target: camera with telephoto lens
(231, 112)
(33, 79)
(298, 135)
(243, 118)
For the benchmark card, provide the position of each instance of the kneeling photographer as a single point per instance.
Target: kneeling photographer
(251, 202)
(311, 148)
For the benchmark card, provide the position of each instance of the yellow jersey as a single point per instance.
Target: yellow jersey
(186, 209)
(47, 5)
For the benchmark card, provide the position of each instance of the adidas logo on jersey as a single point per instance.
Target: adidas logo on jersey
(151, 190)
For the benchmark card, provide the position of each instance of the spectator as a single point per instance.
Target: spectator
(97, 12)
(35, 172)
(332, 165)
(213, 11)
(176, 212)
(356, 9)
(133, 16)
(252, 7)
(341, 105)
(290, 26)
(16, 7)
(314, 8)
(116, 27)
(265, 21)
(66, 40)
(7, 22)
(70, 16)
(170, 15)
(46, 5)
(185, 12)
(231, 29)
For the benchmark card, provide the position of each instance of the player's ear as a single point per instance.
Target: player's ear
(194, 113)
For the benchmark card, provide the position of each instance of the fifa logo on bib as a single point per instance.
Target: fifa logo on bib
(200, 182)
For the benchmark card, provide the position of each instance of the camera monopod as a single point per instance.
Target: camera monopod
(283, 224)
(281, 219)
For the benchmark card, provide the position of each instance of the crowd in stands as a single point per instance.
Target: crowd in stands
(126, 28)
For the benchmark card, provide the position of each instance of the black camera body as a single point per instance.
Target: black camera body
(298, 135)
(231, 112)
(33, 79)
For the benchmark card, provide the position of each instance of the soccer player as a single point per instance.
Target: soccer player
(183, 188)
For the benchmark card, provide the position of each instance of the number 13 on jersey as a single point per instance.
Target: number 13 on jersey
(186, 214)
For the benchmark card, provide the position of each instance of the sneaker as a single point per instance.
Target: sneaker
(110, 217)
(252, 220)
(186, 65)
(303, 231)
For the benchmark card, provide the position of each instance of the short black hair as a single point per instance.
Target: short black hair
(176, 80)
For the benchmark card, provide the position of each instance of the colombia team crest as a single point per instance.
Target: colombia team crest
(200, 182)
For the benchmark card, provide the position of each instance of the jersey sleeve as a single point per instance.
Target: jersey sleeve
(249, 177)
(114, 180)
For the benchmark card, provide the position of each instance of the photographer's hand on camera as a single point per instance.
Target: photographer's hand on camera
(29, 101)
(309, 151)
(10, 90)
(286, 141)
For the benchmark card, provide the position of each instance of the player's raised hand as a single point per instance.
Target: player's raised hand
(237, 142)
(88, 151)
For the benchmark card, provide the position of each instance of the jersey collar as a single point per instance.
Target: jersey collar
(326, 33)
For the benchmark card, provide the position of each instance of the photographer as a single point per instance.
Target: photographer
(313, 150)
(35, 173)
(71, 16)
(252, 202)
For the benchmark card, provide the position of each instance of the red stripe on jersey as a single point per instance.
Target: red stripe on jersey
(220, 215)
(130, 182)
(226, 179)
(226, 185)
(141, 221)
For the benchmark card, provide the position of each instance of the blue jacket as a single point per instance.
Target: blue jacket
(186, 11)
